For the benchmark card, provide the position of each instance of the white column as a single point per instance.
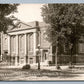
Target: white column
(28, 46)
(25, 44)
(9, 45)
(34, 44)
(1, 45)
(17, 46)
(34, 39)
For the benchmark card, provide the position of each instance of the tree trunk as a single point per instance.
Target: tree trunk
(71, 57)
(56, 57)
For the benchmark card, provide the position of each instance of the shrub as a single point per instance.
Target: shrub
(26, 66)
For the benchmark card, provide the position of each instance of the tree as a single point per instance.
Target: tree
(66, 24)
(5, 10)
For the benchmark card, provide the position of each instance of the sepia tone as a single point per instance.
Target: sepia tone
(27, 55)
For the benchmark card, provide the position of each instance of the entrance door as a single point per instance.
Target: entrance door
(45, 55)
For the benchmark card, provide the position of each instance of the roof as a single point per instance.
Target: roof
(36, 23)
(21, 25)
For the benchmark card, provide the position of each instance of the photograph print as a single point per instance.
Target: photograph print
(42, 42)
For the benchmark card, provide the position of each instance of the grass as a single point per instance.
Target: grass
(20, 74)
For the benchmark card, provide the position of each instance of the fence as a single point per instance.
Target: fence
(66, 59)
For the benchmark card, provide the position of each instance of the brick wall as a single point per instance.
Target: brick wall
(44, 42)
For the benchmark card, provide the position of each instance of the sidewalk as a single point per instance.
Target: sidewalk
(77, 68)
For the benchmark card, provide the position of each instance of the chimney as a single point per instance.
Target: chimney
(36, 23)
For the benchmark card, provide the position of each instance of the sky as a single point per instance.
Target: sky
(29, 12)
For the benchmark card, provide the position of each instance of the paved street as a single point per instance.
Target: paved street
(28, 75)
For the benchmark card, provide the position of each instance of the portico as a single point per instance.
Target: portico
(22, 46)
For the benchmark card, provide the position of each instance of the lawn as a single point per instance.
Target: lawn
(35, 75)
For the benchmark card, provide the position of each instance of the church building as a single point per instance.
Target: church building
(19, 46)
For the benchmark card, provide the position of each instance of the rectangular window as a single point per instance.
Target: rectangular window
(13, 44)
(81, 48)
(82, 38)
(31, 60)
(21, 39)
(31, 42)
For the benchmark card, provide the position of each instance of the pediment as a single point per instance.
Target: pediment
(19, 26)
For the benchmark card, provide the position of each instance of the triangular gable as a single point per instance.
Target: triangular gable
(19, 26)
